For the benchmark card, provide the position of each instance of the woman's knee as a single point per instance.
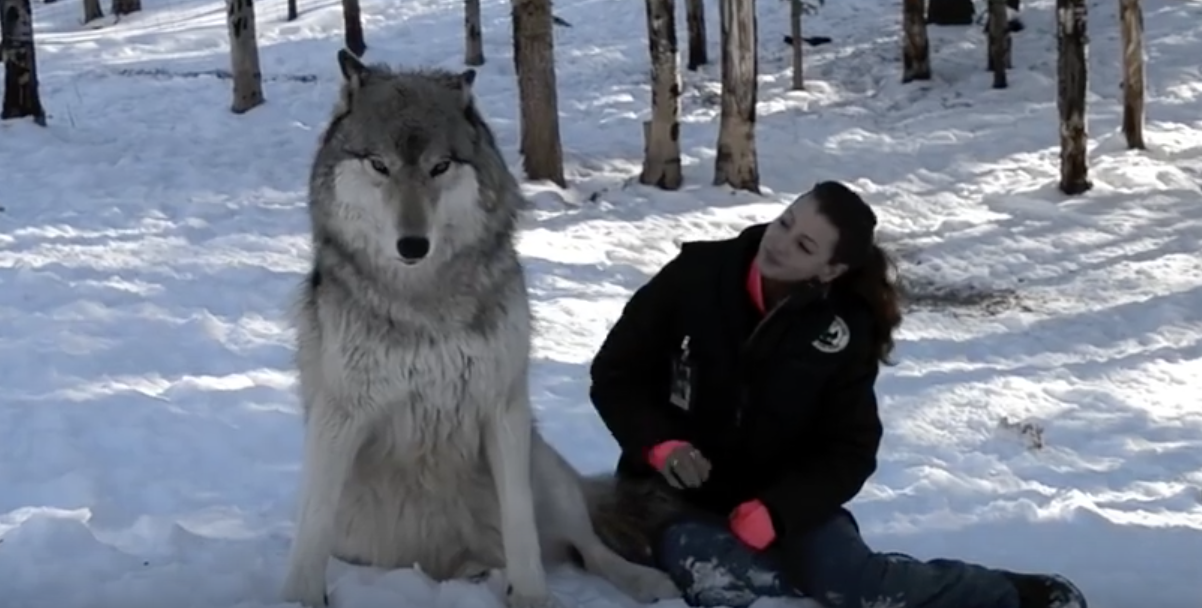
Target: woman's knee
(684, 545)
(713, 568)
(686, 540)
(833, 564)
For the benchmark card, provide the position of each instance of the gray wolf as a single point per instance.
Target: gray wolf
(413, 348)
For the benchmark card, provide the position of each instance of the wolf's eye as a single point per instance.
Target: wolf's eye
(440, 168)
(379, 167)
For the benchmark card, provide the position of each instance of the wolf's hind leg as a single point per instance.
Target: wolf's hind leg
(568, 517)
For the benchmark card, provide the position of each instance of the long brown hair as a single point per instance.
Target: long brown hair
(871, 270)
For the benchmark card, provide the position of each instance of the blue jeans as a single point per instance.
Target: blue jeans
(831, 564)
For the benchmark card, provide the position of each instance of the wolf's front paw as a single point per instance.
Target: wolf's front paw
(647, 585)
(475, 572)
(535, 598)
(309, 592)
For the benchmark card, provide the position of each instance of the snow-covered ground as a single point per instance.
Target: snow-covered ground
(150, 240)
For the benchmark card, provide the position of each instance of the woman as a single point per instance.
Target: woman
(743, 374)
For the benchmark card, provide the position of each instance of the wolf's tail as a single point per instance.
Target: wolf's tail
(629, 514)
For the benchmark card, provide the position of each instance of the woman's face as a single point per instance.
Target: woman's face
(799, 244)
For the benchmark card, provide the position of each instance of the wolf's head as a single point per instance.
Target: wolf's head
(408, 170)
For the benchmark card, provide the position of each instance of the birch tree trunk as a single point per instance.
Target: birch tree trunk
(661, 162)
(125, 7)
(916, 47)
(92, 10)
(21, 95)
(695, 16)
(244, 56)
(950, 12)
(352, 27)
(736, 163)
(1132, 18)
(1072, 76)
(473, 41)
(999, 42)
(796, 9)
(534, 61)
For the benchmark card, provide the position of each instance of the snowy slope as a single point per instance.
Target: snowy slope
(150, 240)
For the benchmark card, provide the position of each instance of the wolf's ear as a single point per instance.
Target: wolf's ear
(467, 78)
(353, 70)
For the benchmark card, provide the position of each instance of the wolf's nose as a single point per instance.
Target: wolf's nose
(413, 248)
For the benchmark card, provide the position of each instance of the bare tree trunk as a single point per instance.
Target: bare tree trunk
(125, 7)
(352, 26)
(735, 163)
(999, 43)
(534, 61)
(796, 9)
(293, 10)
(695, 16)
(916, 47)
(661, 162)
(473, 42)
(1132, 18)
(244, 56)
(92, 10)
(1072, 75)
(21, 96)
(950, 12)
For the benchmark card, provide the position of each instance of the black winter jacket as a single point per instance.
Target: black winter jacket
(782, 412)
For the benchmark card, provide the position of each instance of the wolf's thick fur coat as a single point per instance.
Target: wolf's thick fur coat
(420, 441)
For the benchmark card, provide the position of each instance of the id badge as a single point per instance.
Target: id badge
(682, 377)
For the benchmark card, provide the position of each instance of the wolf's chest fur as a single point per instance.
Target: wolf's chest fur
(427, 388)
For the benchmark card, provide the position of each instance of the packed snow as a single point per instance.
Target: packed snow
(1043, 415)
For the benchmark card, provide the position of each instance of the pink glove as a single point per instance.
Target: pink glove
(658, 455)
(752, 524)
(679, 463)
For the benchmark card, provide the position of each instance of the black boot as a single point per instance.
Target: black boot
(1045, 591)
